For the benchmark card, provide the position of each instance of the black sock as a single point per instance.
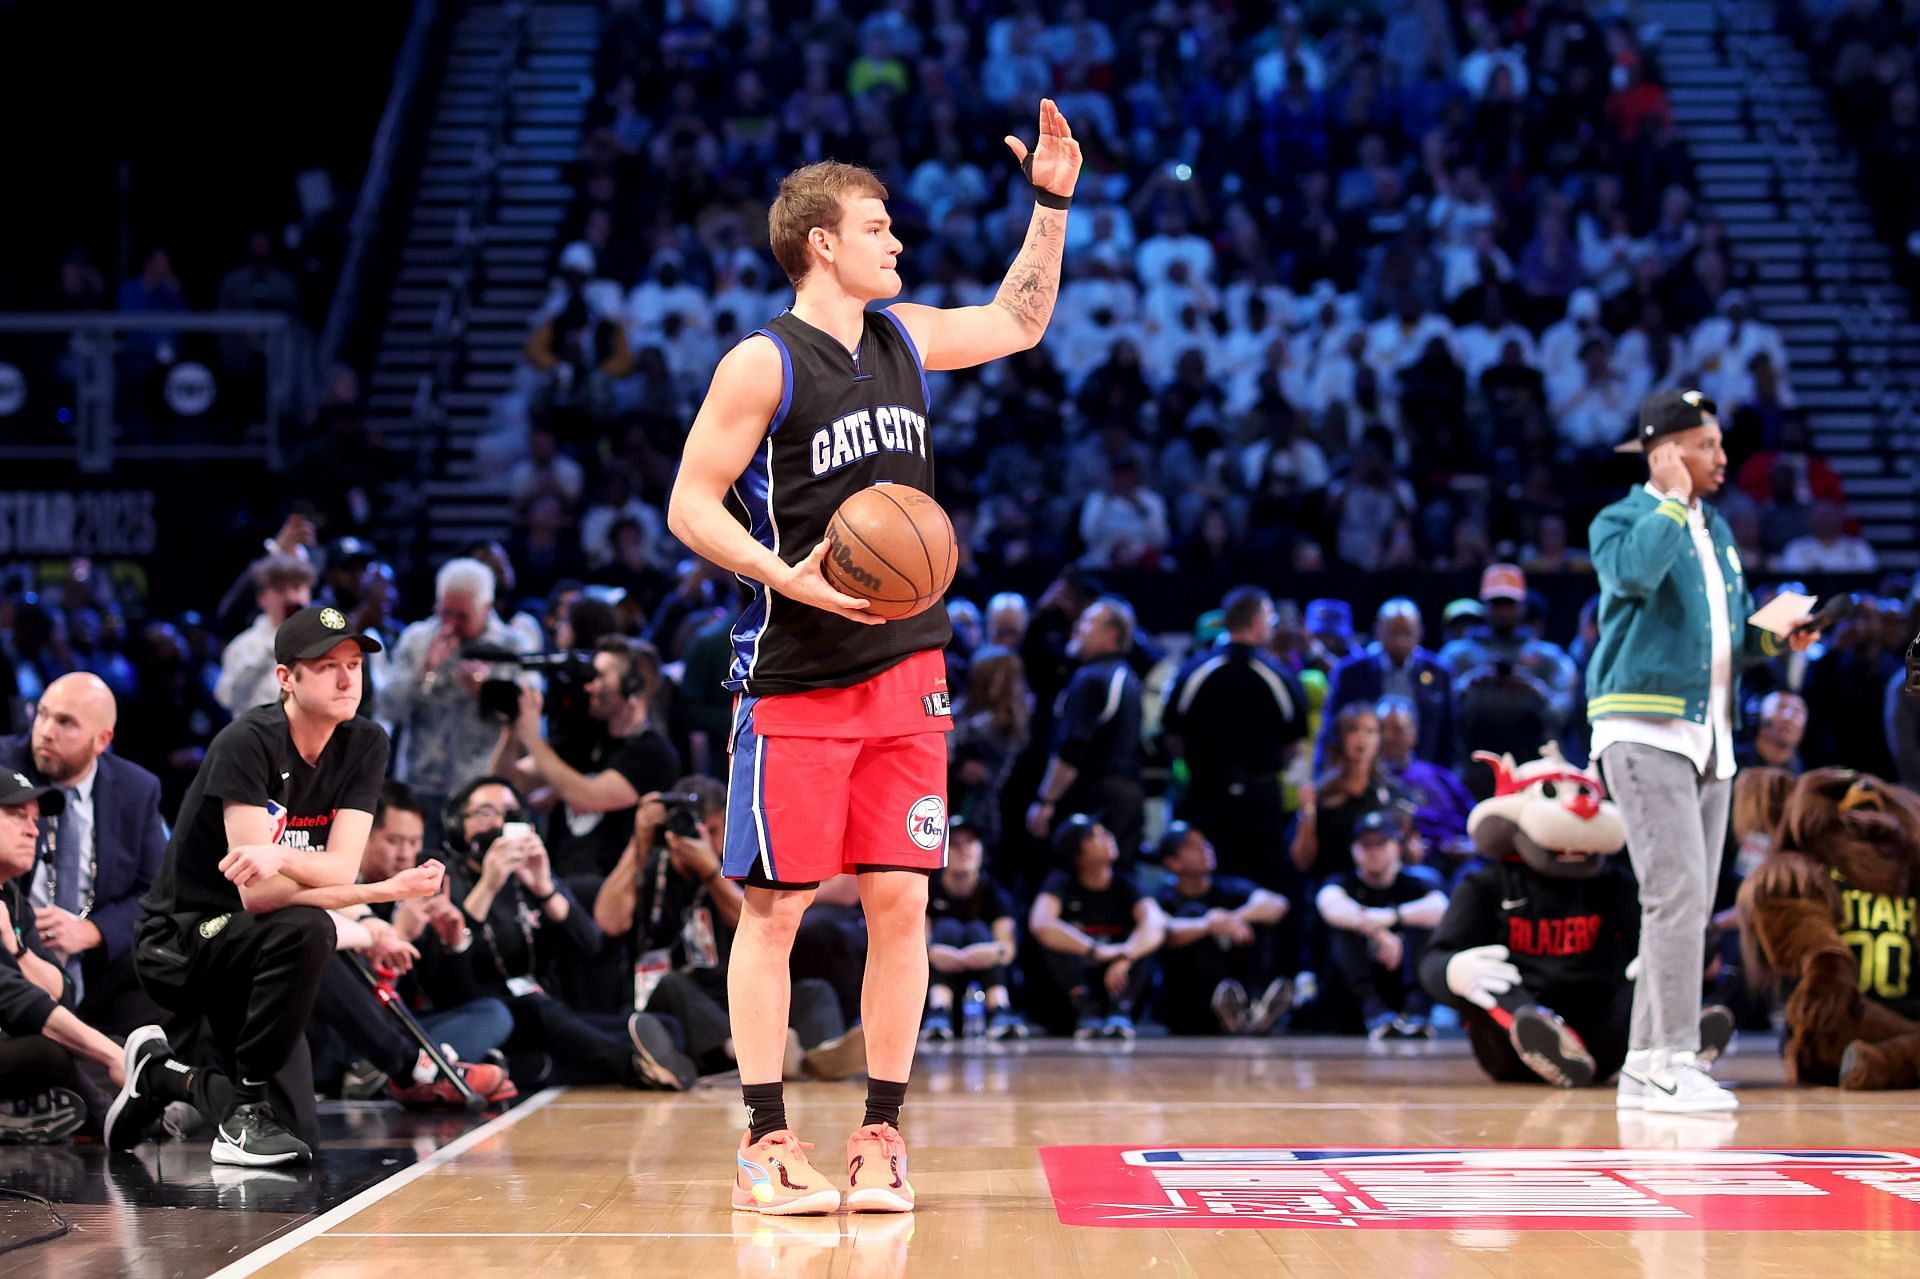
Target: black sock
(884, 1099)
(766, 1109)
(249, 1093)
(169, 1077)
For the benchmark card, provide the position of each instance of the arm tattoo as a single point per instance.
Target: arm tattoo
(1032, 283)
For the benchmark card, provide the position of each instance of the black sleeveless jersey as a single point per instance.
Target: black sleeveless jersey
(846, 421)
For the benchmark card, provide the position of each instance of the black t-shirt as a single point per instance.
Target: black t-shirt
(1239, 712)
(1104, 914)
(1561, 934)
(984, 905)
(590, 843)
(1407, 886)
(253, 761)
(1224, 892)
(676, 914)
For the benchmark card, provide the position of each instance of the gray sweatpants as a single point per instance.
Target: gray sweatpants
(1676, 821)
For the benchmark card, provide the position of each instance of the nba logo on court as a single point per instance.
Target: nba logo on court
(927, 822)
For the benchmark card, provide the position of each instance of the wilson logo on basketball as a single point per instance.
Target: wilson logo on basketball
(844, 561)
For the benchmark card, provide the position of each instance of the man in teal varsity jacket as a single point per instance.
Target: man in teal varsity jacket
(1674, 637)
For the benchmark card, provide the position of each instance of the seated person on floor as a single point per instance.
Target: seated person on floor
(671, 915)
(1833, 911)
(528, 932)
(1379, 915)
(41, 1040)
(970, 943)
(1097, 932)
(1220, 944)
(365, 1045)
(1536, 945)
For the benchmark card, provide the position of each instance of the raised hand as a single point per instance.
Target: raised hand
(1056, 156)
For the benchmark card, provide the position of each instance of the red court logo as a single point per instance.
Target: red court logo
(1271, 1188)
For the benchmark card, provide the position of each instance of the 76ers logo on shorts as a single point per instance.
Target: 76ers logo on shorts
(927, 822)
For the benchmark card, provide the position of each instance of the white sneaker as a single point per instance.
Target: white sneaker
(1678, 1086)
(1632, 1092)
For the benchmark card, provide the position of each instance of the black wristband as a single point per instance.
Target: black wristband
(551, 894)
(1041, 196)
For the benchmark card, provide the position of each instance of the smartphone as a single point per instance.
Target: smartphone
(517, 830)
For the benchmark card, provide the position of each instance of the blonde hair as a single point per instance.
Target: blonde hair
(809, 197)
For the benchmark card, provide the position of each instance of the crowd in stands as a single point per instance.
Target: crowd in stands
(1372, 287)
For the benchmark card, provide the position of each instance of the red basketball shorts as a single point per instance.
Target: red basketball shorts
(810, 795)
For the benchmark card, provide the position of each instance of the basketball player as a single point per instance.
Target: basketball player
(837, 763)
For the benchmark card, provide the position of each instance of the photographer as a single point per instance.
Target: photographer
(432, 691)
(595, 815)
(529, 936)
(677, 913)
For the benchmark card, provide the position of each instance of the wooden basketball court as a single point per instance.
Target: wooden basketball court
(595, 1182)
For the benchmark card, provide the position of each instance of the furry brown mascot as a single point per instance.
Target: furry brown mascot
(1831, 913)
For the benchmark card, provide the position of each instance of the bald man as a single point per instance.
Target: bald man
(98, 857)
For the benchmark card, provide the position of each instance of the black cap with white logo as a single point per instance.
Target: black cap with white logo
(15, 789)
(1381, 823)
(315, 632)
(1667, 413)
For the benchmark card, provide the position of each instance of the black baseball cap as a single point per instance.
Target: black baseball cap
(1667, 413)
(1380, 822)
(314, 632)
(15, 788)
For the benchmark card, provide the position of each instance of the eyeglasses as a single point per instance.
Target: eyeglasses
(488, 810)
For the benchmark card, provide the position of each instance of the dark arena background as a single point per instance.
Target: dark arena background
(1290, 624)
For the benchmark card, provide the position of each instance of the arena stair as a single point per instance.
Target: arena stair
(480, 240)
(1773, 166)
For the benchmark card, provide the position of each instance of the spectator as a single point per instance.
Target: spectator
(544, 473)
(1813, 479)
(1504, 648)
(41, 1039)
(672, 915)
(1776, 741)
(1846, 696)
(1903, 730)
(992, 727)
(624, 757)
(1125, 525)
(1096, 931)
(1095, 764)
(529, 930)
(1441, 803)
(99, 852)
(1381, 915)
(1827, 547)
(1352, 786)
(1396, 665)
(432, 694)
(1237, 717)
(970, 946)
(1219, 945)
(282, 586)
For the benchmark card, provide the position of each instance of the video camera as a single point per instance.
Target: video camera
(568, 675)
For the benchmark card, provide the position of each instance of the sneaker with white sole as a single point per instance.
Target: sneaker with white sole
(130, 1119)
(1230, 1006)
(251, 1136)
(42, 1118)
(1675, 1084)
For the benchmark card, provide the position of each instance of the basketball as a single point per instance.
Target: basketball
(893, 546)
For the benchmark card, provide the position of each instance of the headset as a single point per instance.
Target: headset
(452, 817)
(641, 662)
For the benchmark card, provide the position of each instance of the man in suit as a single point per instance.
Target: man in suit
(99, 855)
(1395, 665)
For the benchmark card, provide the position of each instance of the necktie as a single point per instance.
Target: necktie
(66, 858)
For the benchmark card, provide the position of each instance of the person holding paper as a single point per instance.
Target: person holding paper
(1675, 631)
